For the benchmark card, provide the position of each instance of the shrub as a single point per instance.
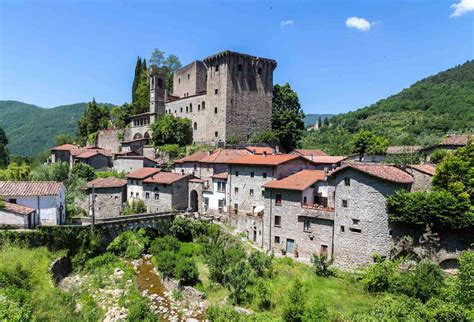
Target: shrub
(182, 228)
(102, 260)
(84, 171)
(392, 308)
(438, 155)
(238, 278)
(186, 271)
(167, 243)
(189, 249)
(465, 281)
(295, 305)
(264, 300)
(219, 314)
(423, 282)
(134, 207)
(438, 310)
(165, 262)
(130, 244)
(316, 312)
(260, 262)
(377, 277)
(321, 265)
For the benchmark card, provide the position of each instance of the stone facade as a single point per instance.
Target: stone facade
(98, 161)
(361, 227)
(109, 202)
(166, 197)
(422, 180)
(128, 164)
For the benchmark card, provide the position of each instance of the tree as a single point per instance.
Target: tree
(186, 271)
(365, 142)
(15, 172)
(166, 65)
(4, 157)
(136, 78)
(95, 118)
(326, 121)
(168, 129)
(238, 279)
(120, 115)
(58, 171)
(287, 117)
(268, 137)
(294, 308)
(320, 123)
(64, 138)
(465, 282)
(84, 171)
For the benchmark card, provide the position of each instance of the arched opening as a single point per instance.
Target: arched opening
(203, 104)
(160, 83)
(194, 201)
(195, 126)
(137, 136)
(449, 263)
(146, 136)
(190, 107)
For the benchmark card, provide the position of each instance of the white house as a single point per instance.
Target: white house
(16, 216)
(48, 198)
(135, 182)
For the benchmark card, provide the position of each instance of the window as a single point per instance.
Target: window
(216, 134)
(216, 91)
(259, 70)
(136, 195)
(190, 107)
(221, 203)
(221, 186)
(264, 175)
(217, 68)
(324, 250)
(203, 105)
(195, 167)
(252, 174)
(277, 221)
(278, 200)
(355, 230)
(181, 109)
(179, 80)
(131, 194)
(239, 67)
(342, 229)
(236, 190)
(236, 173)
(236, 207)
(147, 195)
(157, 195)
(160, 83)
(355, 222)
(187, 109)
(251, 192)
(195, 126)
(277, 239)
(347, 181)
(188, 76)
(199, 107)
(306, 224)
(263, 193)
(344, 203)
(305, 200)
(182, 171)
(215, 110)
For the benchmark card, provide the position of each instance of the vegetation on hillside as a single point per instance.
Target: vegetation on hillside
(419, 115)
(4, 154)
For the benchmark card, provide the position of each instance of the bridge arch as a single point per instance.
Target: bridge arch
(193, 201)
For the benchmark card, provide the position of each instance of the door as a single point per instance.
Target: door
(255, 234)
(290, 246)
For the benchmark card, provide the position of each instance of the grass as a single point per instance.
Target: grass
(215, 293)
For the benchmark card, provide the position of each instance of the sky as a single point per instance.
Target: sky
(337, 55)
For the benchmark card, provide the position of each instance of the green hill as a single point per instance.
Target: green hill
(32, 129)
(419, 115)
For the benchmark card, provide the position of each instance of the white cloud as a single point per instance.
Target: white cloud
(461, 8)
(358, 23)
(286, 23)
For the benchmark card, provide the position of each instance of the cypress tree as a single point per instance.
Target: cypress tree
(144, 64)
(136, 79)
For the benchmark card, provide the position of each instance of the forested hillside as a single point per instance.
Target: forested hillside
(311, 119)
(420, 114)
(31, 129)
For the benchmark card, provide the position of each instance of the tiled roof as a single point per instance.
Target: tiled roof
(109, 182)
(222, 176)
(166, 178)
(90, 154)
(326, 159)
(29, 188)
(306, 152)
(17, 209)
(384, 172)
(298, 181)
(260, 149)
(197, 180)
(79, 151)
(65, 147)
(224, 155)
(195, 157)
(459, 140)
(142, 173)
(270, 160)
(403, 149)
(425, 168)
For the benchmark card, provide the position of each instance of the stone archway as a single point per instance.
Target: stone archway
(193, 201)
(137, 136)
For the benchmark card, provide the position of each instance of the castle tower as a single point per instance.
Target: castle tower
(157, 91)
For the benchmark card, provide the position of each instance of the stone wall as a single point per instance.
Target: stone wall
(109, 139)
(361, 229)
(109, 202)
(166, 197)
(422, 181)
(190, 80)
(60, 268)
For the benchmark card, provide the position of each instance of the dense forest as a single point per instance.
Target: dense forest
(418, 115)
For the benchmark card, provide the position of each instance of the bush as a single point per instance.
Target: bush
(182, 228)
(392, 308)
(321, 265)
(316, 312)
(186, 271)
(264, 300)
(438, 155)
(135, 207)
(189, 249)
(260, 263)
(165, 263)
(438, 310)
(84, 171)
(465, 281)
(237, 280)
(295, 305)
(378, 277)
(167, 243)
(130, 244)
(102, 260)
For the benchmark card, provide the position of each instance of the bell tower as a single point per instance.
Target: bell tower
(157, 91)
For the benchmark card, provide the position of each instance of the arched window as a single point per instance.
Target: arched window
(157, 193)
(203, 104)
(190, 107)
(160, 83)
(187, 109)
(195, 126)
(199, 107)
(259, 71)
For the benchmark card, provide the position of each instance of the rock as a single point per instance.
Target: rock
(118, 273)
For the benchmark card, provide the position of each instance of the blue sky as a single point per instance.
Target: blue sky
(63, 52)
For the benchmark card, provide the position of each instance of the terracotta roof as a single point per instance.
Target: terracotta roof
(17, 209)
(425, 168)
(125, 153)
(109, 182)
(90, 154)
(166, 178)
(384, 172)
(224, 155)
(222, 176)
(142, 173)
(197, 180)
(459, 140)
(403, 149)
(298, 181)
(29, 188)
(306, 152)
(79, 151)
(326, 159)
(65, 147)
(195, 157)
(260, 149)
(270, 160)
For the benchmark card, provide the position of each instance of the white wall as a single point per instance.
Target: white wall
(12, 220)
(215, 196)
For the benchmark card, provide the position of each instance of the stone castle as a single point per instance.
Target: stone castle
(226, 96)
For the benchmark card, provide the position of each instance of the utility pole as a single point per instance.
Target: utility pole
(93, 209)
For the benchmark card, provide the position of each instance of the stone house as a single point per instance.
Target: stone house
(295, 222)
(98, 159)
(16, 216)
(130, 163)
(135, 145)
(452, 142)
(190, 164)
(135, 182)
(166, 191)
(109, 194)
(361, 227)
(48, 198)
(422, 175)
(217, 162)
(62, 153)
(327, 162)
(308, 153)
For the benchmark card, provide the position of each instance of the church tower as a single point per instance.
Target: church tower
(157, 91)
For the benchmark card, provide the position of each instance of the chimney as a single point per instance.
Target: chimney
(277, 149)
(265, 153)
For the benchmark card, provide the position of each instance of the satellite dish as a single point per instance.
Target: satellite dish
(258, 209)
